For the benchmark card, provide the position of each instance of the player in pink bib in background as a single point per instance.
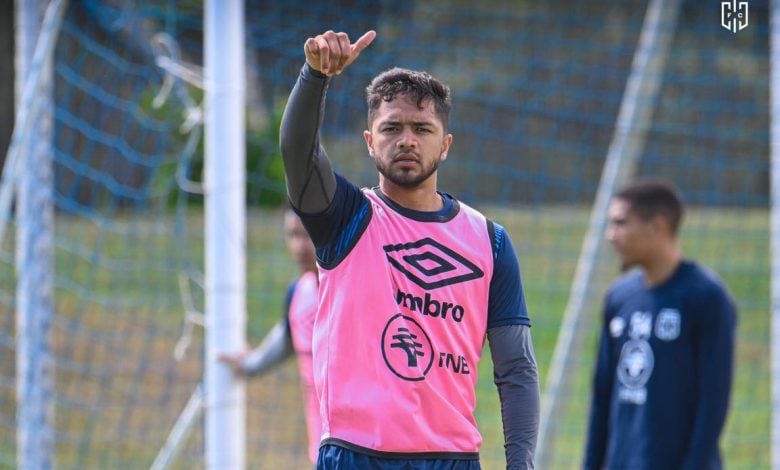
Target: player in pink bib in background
(293, 333)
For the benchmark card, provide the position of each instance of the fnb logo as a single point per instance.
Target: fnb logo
(429, 264)
(406, 348)
(734, 15)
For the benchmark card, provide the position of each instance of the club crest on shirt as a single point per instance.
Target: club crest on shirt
(667, 324)
(635, 366)
(641, 325)
(636, 361)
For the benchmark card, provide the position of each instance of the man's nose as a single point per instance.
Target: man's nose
(407, 138)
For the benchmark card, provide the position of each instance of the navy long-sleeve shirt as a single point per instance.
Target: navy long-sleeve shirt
(663, 377)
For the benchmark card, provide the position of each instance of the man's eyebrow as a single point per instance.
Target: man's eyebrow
(414, 123)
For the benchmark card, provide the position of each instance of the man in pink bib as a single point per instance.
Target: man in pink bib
(412, 281)
(293, 332)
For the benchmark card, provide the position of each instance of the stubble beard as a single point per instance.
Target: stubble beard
(406, 178)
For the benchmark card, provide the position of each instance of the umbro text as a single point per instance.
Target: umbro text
(430, 306)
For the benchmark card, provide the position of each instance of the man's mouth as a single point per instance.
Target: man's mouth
(406, 158)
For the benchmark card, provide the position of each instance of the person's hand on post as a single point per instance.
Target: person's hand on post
(330, 53)
(234, 361)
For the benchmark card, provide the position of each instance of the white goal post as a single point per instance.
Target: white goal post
(774, 203)
(225, 188)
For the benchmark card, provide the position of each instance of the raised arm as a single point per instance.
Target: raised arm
(311, 183)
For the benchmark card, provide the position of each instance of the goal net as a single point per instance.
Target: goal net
(538, 88)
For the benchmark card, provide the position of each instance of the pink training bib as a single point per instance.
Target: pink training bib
(303, 308)
(400, 330)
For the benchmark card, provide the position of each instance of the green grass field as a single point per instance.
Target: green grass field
(120, 390)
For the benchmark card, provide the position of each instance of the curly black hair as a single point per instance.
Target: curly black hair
(420, 86)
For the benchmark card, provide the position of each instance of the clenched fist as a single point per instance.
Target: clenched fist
(330, 52)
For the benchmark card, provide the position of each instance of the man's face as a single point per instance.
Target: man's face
(406, 142)
(299, 244)
(631, 237)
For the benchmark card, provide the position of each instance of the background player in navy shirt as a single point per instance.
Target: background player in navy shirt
(663, 378)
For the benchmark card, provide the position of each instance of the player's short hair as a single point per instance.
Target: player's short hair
(651, 197)
(420, 86)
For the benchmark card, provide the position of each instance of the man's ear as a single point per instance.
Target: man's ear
(659, 224)
(445, 146)
(369, 138)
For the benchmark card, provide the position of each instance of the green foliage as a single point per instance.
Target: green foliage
(264, 167)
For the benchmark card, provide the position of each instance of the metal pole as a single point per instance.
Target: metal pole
(178, 435)
(774, 135)
(225, 230)
(27, 86)
(35, 40)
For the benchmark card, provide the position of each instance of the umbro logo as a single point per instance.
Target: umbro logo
(429, 264)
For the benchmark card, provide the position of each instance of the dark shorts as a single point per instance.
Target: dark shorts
(333, 457)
